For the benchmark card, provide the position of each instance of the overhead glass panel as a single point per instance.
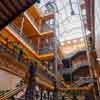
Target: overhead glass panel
(69, 19)
(68, 23)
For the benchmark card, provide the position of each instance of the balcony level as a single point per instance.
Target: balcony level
(37, 14)
(12, 33)
(27, 22)
(18, 65)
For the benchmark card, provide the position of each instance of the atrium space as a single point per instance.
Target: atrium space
(49, 50)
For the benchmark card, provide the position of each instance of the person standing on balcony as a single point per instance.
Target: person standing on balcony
(74, 98)
(20, 55)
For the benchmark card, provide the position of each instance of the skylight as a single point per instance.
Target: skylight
(68, 23)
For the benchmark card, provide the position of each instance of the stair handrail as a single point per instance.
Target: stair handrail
(11, 93)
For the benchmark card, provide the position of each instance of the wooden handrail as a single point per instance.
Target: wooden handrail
(76, 89)
(44, 84)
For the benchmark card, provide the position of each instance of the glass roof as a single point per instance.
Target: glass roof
(68, 23)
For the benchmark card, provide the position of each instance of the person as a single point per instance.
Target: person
(74, 98)
(32, 68)
(63, 98)
(12, 98)
(20, 55)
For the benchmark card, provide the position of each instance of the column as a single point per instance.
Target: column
(94, 67)
(48, 95)
(55, 92)
(41, 94)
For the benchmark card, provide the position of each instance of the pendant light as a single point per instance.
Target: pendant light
(72, 11)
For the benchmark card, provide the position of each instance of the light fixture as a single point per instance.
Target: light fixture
(68, 42)
(62, 44)
(81, 39)
(74, 41)
(72, 11)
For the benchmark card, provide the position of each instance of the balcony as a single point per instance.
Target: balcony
(29, 42)
(82, 81)
(40, 29)
(74, 68)
(40, 12)
(22, 35)
(29, 23)
(75, 53)
(47, 27)
(80, 65)
(13, 54)
(12, 61)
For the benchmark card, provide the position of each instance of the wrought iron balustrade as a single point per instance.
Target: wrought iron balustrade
(22, 35)
(45, 28)
(45, 50)
(13, 54)
(82, 81)
(73, 68)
